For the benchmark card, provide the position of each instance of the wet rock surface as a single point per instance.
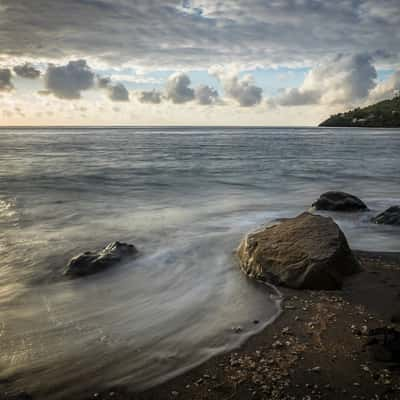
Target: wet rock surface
(391, 216)
(339, 201)
(92, 262)
(306, 252)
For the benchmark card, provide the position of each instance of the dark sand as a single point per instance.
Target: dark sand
(315, 349)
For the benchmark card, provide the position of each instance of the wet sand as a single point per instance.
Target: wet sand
(314, 350)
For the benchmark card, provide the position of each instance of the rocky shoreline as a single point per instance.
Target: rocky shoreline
(336, 337)
(314, 350)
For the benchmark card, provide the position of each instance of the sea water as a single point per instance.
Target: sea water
(184, 197)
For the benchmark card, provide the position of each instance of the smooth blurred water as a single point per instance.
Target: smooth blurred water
(184, 197)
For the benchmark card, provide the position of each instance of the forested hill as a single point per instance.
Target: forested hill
(385, 114)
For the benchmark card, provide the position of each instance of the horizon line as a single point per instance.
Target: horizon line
(150, 126)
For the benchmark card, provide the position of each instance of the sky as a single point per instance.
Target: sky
(194, 62)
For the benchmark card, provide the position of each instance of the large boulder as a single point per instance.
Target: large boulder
(339, 201)
(389, 217)
(306, 252)
(92, 262)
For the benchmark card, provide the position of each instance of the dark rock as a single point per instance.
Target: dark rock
(384, 344)
(389, 217)
(20, 396)
(306, 252)
(339, 201)
(395, 318)
(92, 262)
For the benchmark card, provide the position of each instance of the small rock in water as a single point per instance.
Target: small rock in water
(389, 217)
(92, 262)
(339, 201)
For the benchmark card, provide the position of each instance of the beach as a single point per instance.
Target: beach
(314, 350)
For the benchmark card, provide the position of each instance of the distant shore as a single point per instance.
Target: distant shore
(315, 348)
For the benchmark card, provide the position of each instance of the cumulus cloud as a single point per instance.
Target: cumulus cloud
(243, 90)
(386, 89)
(341, 80)
(150, 97)
(104, 82)
(67, 81)
(116, 91)
(27, 70)
(177, 88)
(5, 80)
(206, 95)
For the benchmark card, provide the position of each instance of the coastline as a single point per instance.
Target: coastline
(314, 350)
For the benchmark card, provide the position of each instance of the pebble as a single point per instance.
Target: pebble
(277, 344)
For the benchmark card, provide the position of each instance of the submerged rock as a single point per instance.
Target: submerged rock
(306, 252)
(339, 201)
(92, 262)
(391, 216)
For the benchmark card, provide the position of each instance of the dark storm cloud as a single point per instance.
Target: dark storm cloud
(198, 32)
(150, 97)
(26, 71)
(5, 80)
(67, 81)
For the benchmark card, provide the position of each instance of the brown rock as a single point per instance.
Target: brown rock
(306, 252)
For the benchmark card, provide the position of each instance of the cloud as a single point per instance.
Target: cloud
(5, 80)
(67, 81)
(341, 80)
(27, 70)
(104, 83)
(116, 91)
(386, 89)
(177, 88)
(150, 97)
(243, 90)
(167, 33)
(206, 95)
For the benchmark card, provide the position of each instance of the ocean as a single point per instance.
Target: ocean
(184, 197)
